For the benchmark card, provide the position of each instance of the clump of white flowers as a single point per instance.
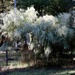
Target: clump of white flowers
(45, 30)
(47, 51)
(63, 30)
(18, 19)
(64, 19)
(30, 14)
(47, 21)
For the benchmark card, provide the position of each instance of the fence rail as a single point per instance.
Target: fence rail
(7, 56)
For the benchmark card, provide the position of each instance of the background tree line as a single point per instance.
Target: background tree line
(53, 7)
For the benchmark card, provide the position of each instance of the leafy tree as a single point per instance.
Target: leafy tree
(48, 35)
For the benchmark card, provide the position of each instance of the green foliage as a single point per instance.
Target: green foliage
(46, 6)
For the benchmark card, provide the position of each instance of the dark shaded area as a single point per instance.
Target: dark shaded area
(53, 7)
(73, 74)
(34, 68)
(2, 40)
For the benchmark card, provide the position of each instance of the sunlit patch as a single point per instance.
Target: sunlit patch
(17, 65)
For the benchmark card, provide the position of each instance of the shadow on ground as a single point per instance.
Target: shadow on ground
(49, 70)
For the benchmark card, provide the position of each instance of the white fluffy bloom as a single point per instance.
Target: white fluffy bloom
(47, 20)
(27, 27)
(64, 18)
(47, 51)
(30, 14)
(63, 30)
(17, 33)
(19, 19)
(31, 46)
(43, 29)
(50, 18)
(14, 16)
